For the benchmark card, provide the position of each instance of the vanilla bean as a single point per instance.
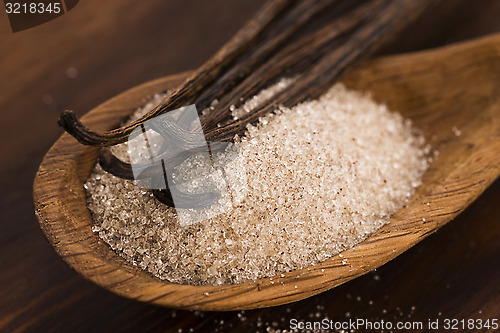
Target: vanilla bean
(118, 168)
(283, 29)
(114, 165)
(377, 30)
(215, 69)
(374, 22)
(183, 200)
(164, 197)
(192, 86)
(324, 40)
(282, 40)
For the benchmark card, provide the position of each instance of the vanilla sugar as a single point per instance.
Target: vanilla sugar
(321, 177)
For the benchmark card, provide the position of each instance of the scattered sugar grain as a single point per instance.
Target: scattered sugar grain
(72, 73)
(321, 178)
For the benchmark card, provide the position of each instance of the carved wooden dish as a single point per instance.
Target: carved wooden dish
(455, 86)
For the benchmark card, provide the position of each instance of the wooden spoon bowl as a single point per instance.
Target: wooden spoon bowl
(448, 91)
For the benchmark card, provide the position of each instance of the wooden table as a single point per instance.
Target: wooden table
(101, 48)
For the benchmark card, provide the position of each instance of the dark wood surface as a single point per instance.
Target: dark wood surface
(115, 45)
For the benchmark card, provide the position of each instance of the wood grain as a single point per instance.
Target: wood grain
(413, 84)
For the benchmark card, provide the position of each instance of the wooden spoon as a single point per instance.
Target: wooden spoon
(451, 93)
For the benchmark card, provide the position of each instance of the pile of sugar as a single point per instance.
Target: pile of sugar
(321, 178)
